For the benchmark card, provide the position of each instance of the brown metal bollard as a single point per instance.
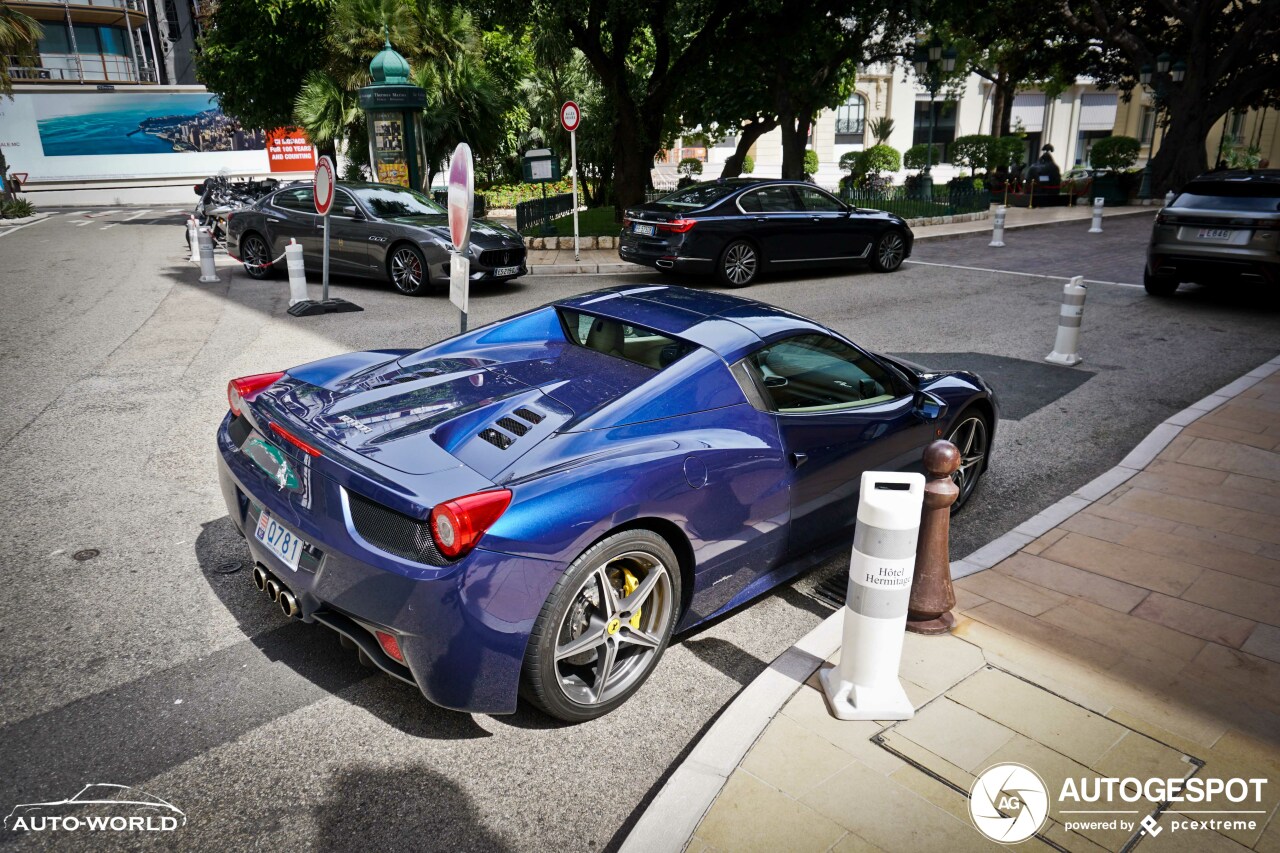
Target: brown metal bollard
(932, 597)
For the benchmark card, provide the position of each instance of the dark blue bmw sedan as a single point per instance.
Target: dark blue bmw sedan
(535, 507)
(737, 228)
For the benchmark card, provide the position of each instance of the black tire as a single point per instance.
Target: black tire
(562, 686)
(889, 251)
(739, 264)
(1159, 285)
(407, 270)
(973, 455)
(255, 251)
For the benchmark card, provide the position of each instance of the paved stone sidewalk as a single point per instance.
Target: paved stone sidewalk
(1140, 637)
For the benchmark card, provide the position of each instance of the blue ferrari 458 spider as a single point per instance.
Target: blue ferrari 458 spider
(534, 507)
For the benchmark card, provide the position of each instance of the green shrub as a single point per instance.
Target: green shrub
(972, 152)
(16, 208)
(507, 196)
(810, 161)
(1115, 153)
(849, 161)
(1005, 151)
(748, 164)
(690, 166)
(917, 156)
(877, 159)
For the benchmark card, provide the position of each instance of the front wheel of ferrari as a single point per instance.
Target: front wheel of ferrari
(973, 439)
(604, 627)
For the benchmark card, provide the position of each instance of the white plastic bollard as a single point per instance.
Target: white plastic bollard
(997, 229)
(193, 239)
(208, 272)
(1068, 341)
(1096, 227)
(865, 685)
(297, 273)
(1169, 197)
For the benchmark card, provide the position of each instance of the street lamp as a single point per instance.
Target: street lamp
(932, 62)
(1167, 71)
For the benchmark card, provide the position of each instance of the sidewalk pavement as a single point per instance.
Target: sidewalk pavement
(1137, 635)
(561, 261)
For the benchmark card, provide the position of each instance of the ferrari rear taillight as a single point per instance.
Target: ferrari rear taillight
(678, 226)
(457, 525)
(244, 388)
(294, 440)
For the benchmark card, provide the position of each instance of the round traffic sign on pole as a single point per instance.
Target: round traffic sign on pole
(461, 196)
(570, 116)
(324, 185)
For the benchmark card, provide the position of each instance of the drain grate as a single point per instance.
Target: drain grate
(833, 590)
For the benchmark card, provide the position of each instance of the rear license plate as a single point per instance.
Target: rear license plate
(506, 270)
(647, 230)
(1216, 233)
(279, 541)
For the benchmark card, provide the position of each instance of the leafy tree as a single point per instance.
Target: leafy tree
(255, 56)
(1227, 52)
(748, 164)
(849, 161)
(1115, 153)
(810, 162)
(879, 158)
(917, 156)
(19, 34)
(690, 166)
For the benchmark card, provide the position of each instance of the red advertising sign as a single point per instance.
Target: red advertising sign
(289, 150)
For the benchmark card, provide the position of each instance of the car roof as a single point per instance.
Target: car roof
(730, 326)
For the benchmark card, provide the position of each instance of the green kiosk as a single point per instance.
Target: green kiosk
(393, 108)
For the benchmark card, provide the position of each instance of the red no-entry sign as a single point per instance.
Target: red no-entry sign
(570, 116)
(324, 185)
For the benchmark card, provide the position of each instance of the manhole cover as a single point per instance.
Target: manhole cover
(229, 567)
(86, 554)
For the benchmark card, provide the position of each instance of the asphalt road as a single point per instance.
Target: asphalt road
(147, 666)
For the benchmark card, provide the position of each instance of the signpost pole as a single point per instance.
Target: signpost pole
(573, 170)
(324, 267)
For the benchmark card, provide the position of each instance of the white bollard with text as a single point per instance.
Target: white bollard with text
(1096, 227)
(865, 685)
(997, 229)
(1070, 316)
(297, 273)
(208, 272)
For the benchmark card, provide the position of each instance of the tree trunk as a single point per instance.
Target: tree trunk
(747, 137)
(1181, 155)
(631, 175)
(795, 138)
(1002, 115)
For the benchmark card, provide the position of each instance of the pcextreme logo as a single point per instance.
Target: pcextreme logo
(98, 808)
(1010, 803)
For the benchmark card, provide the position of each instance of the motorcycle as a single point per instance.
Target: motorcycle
(220, 197)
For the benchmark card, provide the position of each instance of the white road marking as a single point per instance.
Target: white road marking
(78, 213)
(1027, 274)
(5, 232)
(109, 225)
(175, 210)
(138, 215)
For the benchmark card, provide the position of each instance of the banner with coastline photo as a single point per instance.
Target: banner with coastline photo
(77, 125)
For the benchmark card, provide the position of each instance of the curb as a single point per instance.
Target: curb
(671, 818)
(586, 269)
(1126, 211)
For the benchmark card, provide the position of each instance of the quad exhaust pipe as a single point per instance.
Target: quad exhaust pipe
(277, 592)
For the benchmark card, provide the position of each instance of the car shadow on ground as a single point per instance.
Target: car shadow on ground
(1246, 297)
(708, 281)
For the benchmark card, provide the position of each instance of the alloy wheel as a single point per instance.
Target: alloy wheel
(406, 270)
(256, 255)
(890, 251)
(970, 438)
(740, 264)
(613, 630)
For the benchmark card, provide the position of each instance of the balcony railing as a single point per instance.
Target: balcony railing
(91, 68)
(131, 5)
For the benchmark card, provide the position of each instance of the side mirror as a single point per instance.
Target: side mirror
(351, 211)
(929, 406)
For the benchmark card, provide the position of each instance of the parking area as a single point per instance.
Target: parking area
(154, 662)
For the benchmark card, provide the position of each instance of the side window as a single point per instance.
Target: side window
(817, 201)
(300, 200)
(341, 200)
(776, 199)
(814, 372)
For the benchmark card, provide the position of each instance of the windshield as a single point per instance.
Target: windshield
(1260, 198)
(699, 195)
(623, 340)
(386, 202)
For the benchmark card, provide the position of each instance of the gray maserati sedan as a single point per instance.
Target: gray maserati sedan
(379, 231)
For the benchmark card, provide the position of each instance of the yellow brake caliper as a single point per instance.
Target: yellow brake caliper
(629, 584)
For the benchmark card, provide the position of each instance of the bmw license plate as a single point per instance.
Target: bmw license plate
(647, 230)
(506, 270)
(279, 541)
(1216, 233)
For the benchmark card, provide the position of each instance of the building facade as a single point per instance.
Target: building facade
(109, 42)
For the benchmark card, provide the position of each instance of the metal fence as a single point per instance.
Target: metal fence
(910, 203)
(479, 204)
(539, 211)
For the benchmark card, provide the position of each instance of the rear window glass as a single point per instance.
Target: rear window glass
(694, 197)
(623, 340)
(1256, 197)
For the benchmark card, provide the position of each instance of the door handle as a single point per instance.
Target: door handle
(273, 219)
(817, 219)
(797, 459)
(761, 219)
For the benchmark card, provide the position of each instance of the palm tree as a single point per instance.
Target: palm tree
(882, 129)
(19, 35)
(329, 113)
